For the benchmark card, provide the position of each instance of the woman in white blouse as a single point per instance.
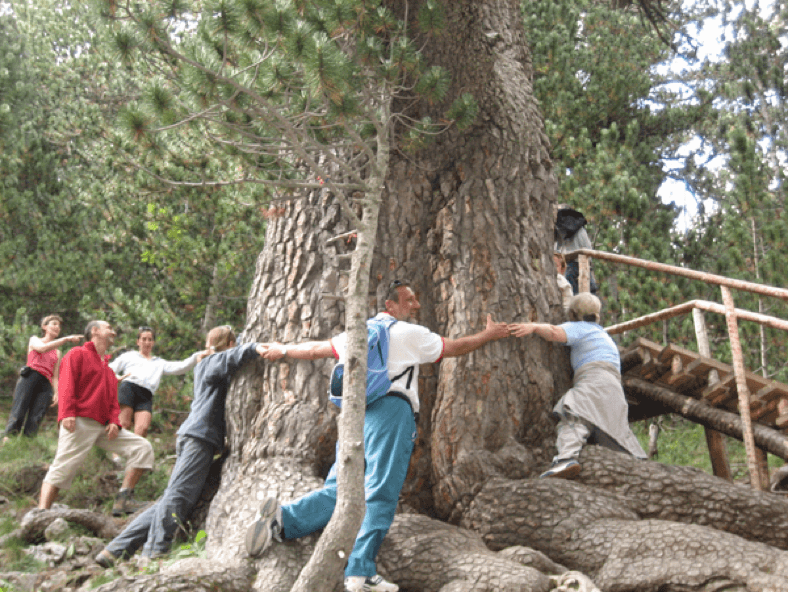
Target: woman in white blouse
(140, 373)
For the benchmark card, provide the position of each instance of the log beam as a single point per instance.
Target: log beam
(718, 449)
(722, 421)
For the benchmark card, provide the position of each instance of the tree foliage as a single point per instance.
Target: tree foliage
(84, 231)
(610, 122)
(736, 169)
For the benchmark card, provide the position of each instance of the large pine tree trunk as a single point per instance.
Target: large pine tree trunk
(468, 222)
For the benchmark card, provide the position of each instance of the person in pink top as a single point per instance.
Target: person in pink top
(88, 415)
(38, 380)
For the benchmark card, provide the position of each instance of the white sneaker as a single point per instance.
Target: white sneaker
(374, 584)
(562, 469)
(266, 527)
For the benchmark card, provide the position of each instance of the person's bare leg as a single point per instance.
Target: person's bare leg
(131, 477)
(48, 496)
(142, 421)
(126, 416)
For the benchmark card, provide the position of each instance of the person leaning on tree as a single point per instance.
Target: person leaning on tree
(595, 407)
(389, 436)
(200, 436)
(38, 379)
(88, 416)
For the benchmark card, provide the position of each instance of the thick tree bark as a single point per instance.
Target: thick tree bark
(188, 575)
(424, 554)
(475, 232)
(621, 524)
(469, 223)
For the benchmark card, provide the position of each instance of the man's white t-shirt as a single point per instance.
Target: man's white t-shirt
(409, 346)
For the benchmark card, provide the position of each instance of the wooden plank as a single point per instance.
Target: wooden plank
(756, 382)
(766, 409)
(671, 350)
(678, 379)
(720, 392)
(721, 421)
(650, 366)
(702, 366)
(773, 390)
(726, 383)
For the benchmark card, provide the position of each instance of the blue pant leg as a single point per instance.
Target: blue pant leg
(134, 535)
(182, 493)
(312, 511)
(389, 431)
(42, 398)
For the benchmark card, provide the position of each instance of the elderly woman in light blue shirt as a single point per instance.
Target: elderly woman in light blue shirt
(141, 373)
(595, 408)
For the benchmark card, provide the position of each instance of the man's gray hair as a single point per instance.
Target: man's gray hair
(89, 329)
(585, 307)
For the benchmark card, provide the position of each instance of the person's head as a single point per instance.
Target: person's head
(100, 333)
(557, 207)
(560, 262)
(51, 324)
(220, 338)
(145, 340)
(401, 301)
(585, 307)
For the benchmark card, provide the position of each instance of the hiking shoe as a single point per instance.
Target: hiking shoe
(267, 526)
(374, 584)
(562, 469)
(125, 504)
(105, 559)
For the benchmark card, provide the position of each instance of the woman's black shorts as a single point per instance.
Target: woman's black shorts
(135, 396)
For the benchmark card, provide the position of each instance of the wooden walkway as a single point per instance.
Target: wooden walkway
(691, 377)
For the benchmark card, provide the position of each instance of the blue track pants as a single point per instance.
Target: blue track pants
(389, 435)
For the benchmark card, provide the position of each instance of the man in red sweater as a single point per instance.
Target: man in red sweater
(88, 414)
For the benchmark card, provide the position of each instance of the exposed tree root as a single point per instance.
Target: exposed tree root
(603, 533)
(188, 575)
(35, 522)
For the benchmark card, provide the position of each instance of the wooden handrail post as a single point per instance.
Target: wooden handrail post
(584, 279)
(715, 441)
(741, 387)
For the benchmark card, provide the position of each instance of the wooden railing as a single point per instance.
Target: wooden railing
(756, 465)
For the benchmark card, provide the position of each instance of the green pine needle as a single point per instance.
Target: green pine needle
(432, 18)
(434, 84)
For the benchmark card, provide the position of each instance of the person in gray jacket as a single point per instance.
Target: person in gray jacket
(199, 438)
(570, 235)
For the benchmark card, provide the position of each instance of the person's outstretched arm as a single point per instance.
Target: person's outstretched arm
(36, 344)
(543, 330)
(308, 350)
(469, 343)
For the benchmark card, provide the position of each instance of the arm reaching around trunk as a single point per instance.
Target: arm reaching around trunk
(469, 343)
(309, 350)
(543, 330)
